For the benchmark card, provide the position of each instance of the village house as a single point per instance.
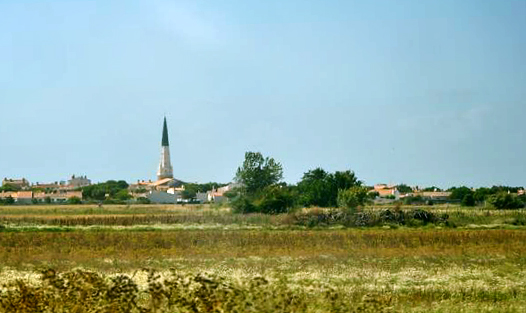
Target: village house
(218, 195)
(435, 195)
(17, 183)
(58, 197)
(386, 191)
(78, 181)
(28, 197)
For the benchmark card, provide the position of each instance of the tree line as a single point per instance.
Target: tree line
(263, 190)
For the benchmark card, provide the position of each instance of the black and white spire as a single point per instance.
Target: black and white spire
(165, 166)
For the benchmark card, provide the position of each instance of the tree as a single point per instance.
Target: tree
(122, 195)
(504, 200)
(243, 204)
(258, 172)
(458, 193)
(274, 200)
(432, 188)
(231, 194)
(188, 193)
(320, 188)
(403, 189)
(316, 188)
(10, 187)
(468, 200)
(99, 191)
(345, 180)
(352, 198)
(207, 186)
(373, 194)
(481, 194)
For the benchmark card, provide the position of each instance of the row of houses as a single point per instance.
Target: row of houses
(391, 192)
(28, 197)
(74, 182)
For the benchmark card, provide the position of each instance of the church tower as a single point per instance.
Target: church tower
(165, 167)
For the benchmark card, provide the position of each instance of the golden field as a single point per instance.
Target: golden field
(201, 259)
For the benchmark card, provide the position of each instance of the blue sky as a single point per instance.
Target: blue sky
(416, 92)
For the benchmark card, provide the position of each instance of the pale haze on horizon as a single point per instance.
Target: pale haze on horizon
(417, 92)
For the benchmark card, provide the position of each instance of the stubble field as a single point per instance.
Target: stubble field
(202, 259)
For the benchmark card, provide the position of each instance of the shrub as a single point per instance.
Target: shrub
(9, 200)
(113, 201)
(413, 218)
(143, 200)
(275, 200)
(413, 200)
(243, 204)
(74, 200)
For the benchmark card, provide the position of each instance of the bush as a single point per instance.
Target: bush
(413, 200)
(271, 200)
(345, 218)
(85, 291)
(143, 200)
(113, 201)
(275, 200)
(243, 204)
(74, 200)
(9, 200)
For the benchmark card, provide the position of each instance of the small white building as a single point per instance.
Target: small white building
(161, 197)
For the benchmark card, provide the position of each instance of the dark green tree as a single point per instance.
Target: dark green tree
(258, 172)
(468, 200)
(345, 180)
(9, 200)
(10, 187)
(481, 194)
(432, 188)
(403, 189)
(99, 191)
(316, 188)
(274, 200)
(320, 188)
(504, 200)
(188, 193)
(458, 193)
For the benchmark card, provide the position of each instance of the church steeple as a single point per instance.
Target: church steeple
(164, 141)
(165, 166)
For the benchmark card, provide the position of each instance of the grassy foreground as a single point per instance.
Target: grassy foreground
(228, 269)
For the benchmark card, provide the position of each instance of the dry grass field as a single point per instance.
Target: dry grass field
(203, 259)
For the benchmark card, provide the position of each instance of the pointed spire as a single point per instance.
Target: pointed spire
(164, 141)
